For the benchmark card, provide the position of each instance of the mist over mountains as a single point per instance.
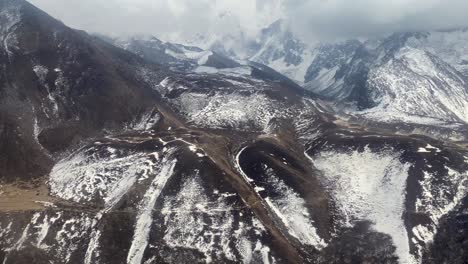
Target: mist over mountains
(312, 20)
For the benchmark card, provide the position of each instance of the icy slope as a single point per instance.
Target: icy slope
(417, 83)
(450, 46)
(388, 80)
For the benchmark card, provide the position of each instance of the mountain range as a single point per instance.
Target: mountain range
(137, 150)
(417, 77)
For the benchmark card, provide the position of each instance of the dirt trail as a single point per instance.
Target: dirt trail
(357, 129)
(221, 157)
(218, 146)
(25, 197)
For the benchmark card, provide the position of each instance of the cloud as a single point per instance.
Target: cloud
(309, 19)
(122, 17)
(163, 18)
(325, 19)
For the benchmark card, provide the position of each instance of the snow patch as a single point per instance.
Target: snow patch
(369, 186)
(147, 121)
(145, 211)
(428, 149)
(41, 73)
(237, 71)
(230, 110)
(86, 176)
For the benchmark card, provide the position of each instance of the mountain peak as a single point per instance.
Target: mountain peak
(275, 27)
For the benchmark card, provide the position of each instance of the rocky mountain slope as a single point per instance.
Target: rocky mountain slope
(59, 86)
(196, 167)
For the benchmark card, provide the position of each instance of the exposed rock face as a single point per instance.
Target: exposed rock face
(144, 165)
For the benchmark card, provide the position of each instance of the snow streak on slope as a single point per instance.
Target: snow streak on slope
(18, 245)
(50, 232)
(145, 211)
(186, 213)
(369, 186)
(146, 122)
(437, 199)
(292, 211)
(286, 204)
(325, 84)
(71, 231)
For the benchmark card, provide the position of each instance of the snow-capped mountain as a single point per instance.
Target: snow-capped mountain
(394, 81)
(415, 82)
(234, 43)
(279, 49)
(182, 58)
(411, 77)
(450, 46)
(176, 56)
(112, 157)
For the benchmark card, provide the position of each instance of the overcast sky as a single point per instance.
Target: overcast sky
(351, 18)
(163, 17)
(310, 19)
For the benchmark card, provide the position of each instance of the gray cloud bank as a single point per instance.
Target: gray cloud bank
(318, 19)
(309, 19)
(163, 17)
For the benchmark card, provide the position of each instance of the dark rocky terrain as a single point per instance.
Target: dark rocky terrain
(59, 86)
(109, 157)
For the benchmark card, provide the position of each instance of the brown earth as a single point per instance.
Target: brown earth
(25, 196)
